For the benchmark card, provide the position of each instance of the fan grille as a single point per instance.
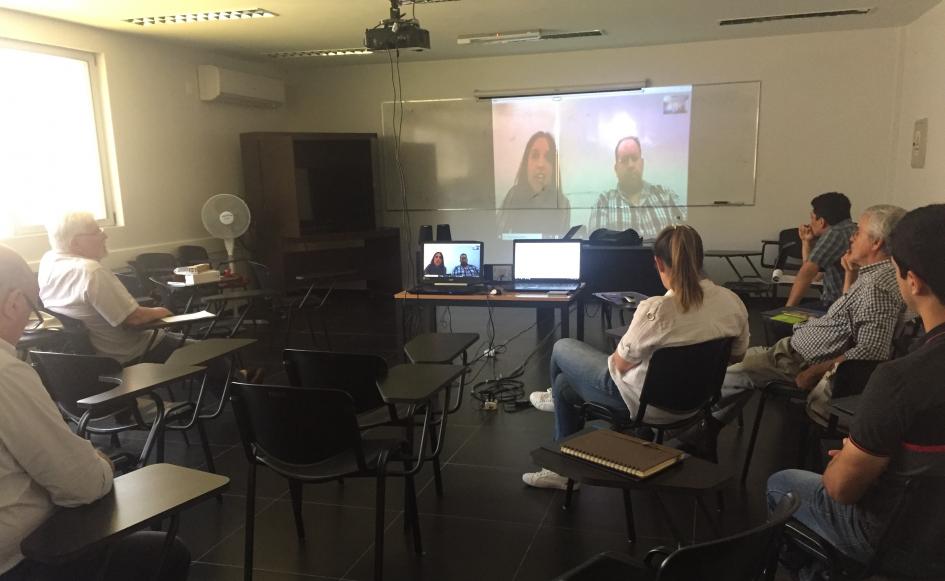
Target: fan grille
(225, 216)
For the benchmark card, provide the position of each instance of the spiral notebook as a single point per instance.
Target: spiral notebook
(623, 453)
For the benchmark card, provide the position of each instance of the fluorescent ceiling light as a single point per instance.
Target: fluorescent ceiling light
(796, 16)
(202, 17)
(318, 52)
(500, 37)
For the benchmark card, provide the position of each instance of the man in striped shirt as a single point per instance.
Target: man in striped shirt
(859, 325)
(645, 207)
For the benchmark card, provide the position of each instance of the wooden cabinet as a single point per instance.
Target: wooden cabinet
(312, 200)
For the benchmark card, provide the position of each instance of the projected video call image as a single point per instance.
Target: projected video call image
(622, 156)
(452, 260)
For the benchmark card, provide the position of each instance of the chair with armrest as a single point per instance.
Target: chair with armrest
(911, 546)
(851, 378)
(261, 300)
(788, 257)
(357, 374)
(684, 380)
(75, 334)
(189, 255)
(745, 556)
(310, 435)
(286, 304)
(70, 377)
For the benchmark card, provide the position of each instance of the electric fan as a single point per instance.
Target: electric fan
(226, 216)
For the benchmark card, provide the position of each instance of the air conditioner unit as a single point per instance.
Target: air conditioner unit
(225, 85)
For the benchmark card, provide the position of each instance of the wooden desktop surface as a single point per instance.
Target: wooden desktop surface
(137, 498)
(505, 298)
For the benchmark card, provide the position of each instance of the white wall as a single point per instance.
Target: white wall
(827, 113)
(173, 151)
(922, 90)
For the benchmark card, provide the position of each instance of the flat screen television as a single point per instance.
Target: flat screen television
(334, 182)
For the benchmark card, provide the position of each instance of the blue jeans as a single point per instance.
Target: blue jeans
(841, 525)
(579, 373)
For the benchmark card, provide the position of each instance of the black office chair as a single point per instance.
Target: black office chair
(746, 556)
(912, 546)
(71, 377)
(685, 381)
(189, 255)
(303, 300)
(358, 375)
(75, 335)
(311, 435)
(851, 379)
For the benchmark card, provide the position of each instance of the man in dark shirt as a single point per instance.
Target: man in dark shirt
(899, 428)
(823, 242)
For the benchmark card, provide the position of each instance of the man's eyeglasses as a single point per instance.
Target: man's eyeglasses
(96, 232)
(38, 323)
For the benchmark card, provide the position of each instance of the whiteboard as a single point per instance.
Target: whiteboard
(446, 155)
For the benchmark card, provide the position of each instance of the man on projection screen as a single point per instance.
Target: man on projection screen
(637, 204)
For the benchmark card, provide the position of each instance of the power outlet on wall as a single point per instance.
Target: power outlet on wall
(920, 137)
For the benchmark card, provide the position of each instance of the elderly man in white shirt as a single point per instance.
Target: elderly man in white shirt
(73, 282)
(44, 465)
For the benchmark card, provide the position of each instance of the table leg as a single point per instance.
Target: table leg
(580, 319)
(677, 534)
(168, 542)
(732, 264)
(753, 267)
(628, 515)
(545, 320)
(565, 320)
(399, 314)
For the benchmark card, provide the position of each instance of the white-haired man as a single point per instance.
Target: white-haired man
(859, 325)
(44, 465)
(73, 282)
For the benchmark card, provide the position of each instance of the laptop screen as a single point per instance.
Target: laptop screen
(444, 261)
(546, 260)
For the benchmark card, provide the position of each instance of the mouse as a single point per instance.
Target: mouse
(495, 291)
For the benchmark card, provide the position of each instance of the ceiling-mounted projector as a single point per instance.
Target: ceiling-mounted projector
(397, 32)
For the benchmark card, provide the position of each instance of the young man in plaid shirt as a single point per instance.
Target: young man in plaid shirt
(823, 243)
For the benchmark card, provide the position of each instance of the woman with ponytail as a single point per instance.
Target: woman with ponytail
(693, 310)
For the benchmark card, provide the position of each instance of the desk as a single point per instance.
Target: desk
(775, 330)
(192, 290)
(691, 477)
(184, 321)
(135, 381)
(419, 384)
(138, 498)
(728, 255)
(544, 306)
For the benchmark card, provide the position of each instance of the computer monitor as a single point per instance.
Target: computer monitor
(443, 262)
(552, 260)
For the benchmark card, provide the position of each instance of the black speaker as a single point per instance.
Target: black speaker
(443, 233)
(426, 234)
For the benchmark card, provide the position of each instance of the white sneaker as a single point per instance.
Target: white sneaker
(545, 478)
(542, 400)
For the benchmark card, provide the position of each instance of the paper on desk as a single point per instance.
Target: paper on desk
(198, 316)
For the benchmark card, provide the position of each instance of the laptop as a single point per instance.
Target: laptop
(546, 265)
(453, 267)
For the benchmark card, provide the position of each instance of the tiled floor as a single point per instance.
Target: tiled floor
(488, 525)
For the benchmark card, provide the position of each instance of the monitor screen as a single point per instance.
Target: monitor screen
(546, 259)
(452, 261)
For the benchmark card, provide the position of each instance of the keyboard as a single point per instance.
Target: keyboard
(545, 286)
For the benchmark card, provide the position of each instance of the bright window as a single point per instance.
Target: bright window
(52, 140)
